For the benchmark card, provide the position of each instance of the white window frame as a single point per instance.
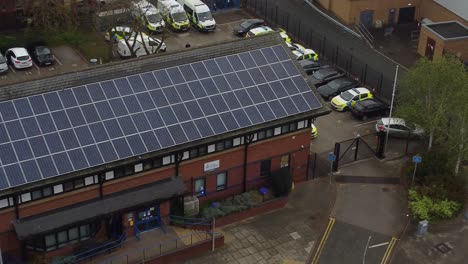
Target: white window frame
(138, 167)
(166, 160)
(58, 188)
(300, 124)
(4, 203)
(224, 173)
(211, 148)
(237, 141)
(277, 131)
(89, 180)
(109, 175)
(26, 197)
(185, 155)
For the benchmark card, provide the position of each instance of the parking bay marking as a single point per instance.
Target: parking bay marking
(58, 60)
(379, 245)
(365, 123)
(11, 67)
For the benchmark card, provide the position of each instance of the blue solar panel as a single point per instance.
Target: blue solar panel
(59, 132)
(22, 107)
(54, 142)
(15, 130)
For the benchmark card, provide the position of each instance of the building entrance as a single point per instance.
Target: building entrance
(147, 218)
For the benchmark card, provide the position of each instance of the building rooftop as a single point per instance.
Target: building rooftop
(449, 30)
(124, 114)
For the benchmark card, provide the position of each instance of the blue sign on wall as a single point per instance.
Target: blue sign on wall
(417, 159)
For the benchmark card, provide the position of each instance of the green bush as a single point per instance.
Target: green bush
(424, 207)
(210, 212)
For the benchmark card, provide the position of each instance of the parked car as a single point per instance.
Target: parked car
(311, 66)
(326, 75)
(258, 31)
(42, 56)
(3, 64)
(397, 127)
(247, 25)
(19, 58)
(119, 33)
(369, 108)
(335, 87)
(150, 43)
(284, 35)
(301, 52)
(349, 98)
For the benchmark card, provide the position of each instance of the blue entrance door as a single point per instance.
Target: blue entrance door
(147, 219)
(366, 18)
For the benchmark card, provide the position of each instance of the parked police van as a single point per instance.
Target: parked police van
(174, 14)
(149, 15)
(199, 15)
(142, 45)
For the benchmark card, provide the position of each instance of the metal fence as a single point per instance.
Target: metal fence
(358, 148)
(354, 56)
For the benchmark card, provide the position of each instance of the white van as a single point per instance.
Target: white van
(149, 15)
(199, 15)
(174, 14)
(139, 48)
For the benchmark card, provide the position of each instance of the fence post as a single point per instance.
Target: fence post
(266, 10)
(144, 257)
(213, 235)
(276, 16)
(357, 148)
(315, 165)
(381, 145)
(299, 30)
(337, 155)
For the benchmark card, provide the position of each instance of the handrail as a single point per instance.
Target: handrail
(84, 255)
(366, 32)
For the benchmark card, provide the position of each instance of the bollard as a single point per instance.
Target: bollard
(422, 228)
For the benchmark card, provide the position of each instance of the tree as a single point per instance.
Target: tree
(47, 15)
(434, 95)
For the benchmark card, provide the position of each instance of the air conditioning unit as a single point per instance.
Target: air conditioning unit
(191, 205)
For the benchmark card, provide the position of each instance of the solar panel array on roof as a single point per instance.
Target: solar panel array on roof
(55, 133)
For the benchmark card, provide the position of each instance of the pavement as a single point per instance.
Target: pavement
(284, 236)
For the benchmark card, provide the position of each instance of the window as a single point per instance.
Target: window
(293, 127)
(211, 148)
(73, 234)
(79, 183)
(265, 168)
(284, 129)
(202, 150)
(193, 153)
(148, 164)
(62, 238)
(119, 172)
(68, 186)
(237, 141)
(228, 143)
(109, 175)
(185, 155)
(129, 170)
(284, 161)
(200, 187)
(37, 194)
(277, 131)
(25, 197)
(50, 242)
(269, 133)
(220, 146)
(138, 167)
(84, 232)
(4, 203)
(221, 181)
(47, 191)
(157, 163)
(300, 124)
(168, 160)
(261, 135)
(254, 138)
(89, 180)
(58, 188)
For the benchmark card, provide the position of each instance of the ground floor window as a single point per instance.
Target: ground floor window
(200, 187)
(284, 161)
(221, 181)
(63, 237)
(265, 167)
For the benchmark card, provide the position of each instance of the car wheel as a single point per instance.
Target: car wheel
(364, 118)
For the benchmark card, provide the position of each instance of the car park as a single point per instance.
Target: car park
(3, 64)
(397, 127)
(247, 25)
(149, 16)
(42, 56)
(325, 75)
(335, 87)
(19, 58)
(369, 108)
(199, 15)
(347, 99)
(311, 66)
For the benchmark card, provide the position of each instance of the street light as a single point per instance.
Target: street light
(391, 109)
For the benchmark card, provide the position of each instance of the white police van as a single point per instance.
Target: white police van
(199, 15)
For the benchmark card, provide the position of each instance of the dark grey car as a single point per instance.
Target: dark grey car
(325, 75)
(335, 87)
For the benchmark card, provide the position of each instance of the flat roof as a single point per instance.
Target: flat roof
(121, 117)
(449, 30)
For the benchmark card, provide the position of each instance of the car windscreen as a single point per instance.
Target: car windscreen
(179, 17)
(359, 106)
(154, 18)
(320, 75)
(42, 51)
(205, 16)
(246, 24)
(347, 96)
(334, 84)
(23, 58)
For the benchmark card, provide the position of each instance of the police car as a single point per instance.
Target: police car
(264, 30)
(346, 99)
(302, 53)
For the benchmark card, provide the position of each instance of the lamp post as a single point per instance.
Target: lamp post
(391, 108)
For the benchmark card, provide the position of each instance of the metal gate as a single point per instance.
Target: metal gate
(358, 148)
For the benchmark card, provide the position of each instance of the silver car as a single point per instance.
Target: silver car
(3, 64)
(398, 128)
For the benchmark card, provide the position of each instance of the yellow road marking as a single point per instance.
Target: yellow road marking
(388, 252)
(323, 241)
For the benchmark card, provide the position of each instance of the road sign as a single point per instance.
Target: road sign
(331, 157)
(417, 159)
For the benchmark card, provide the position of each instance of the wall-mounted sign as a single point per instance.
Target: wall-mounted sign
(210, 166)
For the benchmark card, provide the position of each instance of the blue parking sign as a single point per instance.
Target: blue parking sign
(417, 159)
(331, 157)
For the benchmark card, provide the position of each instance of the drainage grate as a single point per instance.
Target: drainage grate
(443, 248)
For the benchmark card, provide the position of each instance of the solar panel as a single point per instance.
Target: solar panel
(59, 132)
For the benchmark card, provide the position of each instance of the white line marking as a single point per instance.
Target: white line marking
(379, 245)
(11, 67)
(365, 123)
(365, 251)
(57, 60)
(36, 66)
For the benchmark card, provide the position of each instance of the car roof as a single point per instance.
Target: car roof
(122, 28)
(329, 69)
(343, 79)
(361, 90)
(19, 51)
(393, 121)
(305, 63)
(369, 102)
(253, 20)
(260, 30)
